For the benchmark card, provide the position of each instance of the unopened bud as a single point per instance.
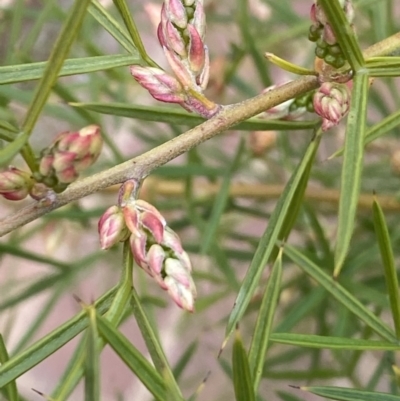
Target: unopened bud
(176, 13)
(70, 153)
(112, 228)
(332, 102)
(196, 50)
(158, 250)
(160, 85)
(15, 184)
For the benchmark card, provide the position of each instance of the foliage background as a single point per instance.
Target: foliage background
(47, 261)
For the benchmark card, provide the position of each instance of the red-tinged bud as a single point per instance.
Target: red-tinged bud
(180, 285)
(332, 102)
(196, 51)
(158, 250)
(142, 219)
(46, 165)
(179, 67)
(313, 15)
(63, 167)
(174, 39)
(160, 34)
(176, 13)
(112, 228)
(15, 184)
(69, 154)
(199, 20)
(203, 78)
(85, 142)
(160, 85)
(328, 35)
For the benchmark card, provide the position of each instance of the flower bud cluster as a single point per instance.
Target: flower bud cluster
(181, 34)
(15, 184)
(60, 164)
(322, 33)
(68, 155)
(156, 248)
(332, 103)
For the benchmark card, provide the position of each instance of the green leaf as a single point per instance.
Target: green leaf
(351, 169)
(326, 342)
(259, 344)
(11, 387)
(56, 60)
(344, 33)
(22, 362)
(107, 21)
(92, 369)
(10, 150)
(175, 116)
(114, 315)
(348, 394)
(392, 282)
(27, 72)
(383, 66)
(123, 9)
(340, 293)
(300, 310)
(154, 346)
(266, 246)
(377, 130)
(242, 381)
(184, 359)
(132, 357)
(5, 125)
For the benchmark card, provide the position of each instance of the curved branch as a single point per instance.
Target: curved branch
(141, 166)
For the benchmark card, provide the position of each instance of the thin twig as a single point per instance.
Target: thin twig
(141, 166)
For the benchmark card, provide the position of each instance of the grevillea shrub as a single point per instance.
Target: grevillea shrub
(199, 200)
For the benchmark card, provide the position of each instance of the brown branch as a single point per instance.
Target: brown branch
(142, 165)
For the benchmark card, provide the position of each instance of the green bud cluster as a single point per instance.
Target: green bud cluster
(331, 54)
(304, 101)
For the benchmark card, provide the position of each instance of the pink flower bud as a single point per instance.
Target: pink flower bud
(332, 102)
(15, 184)
(196, 51)
(70, 153)
(160, 85)
(199, 20)
(174, 39)
(180, 68)
(141, 218)
(85, 142)
(176, 13)
(158, 250)
(328, 35)
(112, 228)
(203, 78)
